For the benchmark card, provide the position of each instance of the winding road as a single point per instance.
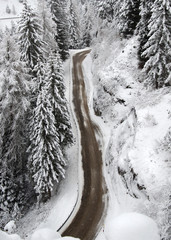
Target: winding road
(90, 215)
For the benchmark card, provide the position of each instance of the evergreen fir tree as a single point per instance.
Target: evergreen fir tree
(58, 9)
(48, 27)
(58, 101)
(86, 25)
(47, 163)
(30, 37)
(74, 31)
(142, 29)
(106, 9)
(13, 107)
(157, 49)
(128, 17)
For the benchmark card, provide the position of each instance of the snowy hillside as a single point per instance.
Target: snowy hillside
(138, 165)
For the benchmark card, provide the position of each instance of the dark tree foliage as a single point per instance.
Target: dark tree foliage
(74, 31)
(128, 17)
(46, 161)
(157, 48)
(13, 107)
(32, 90)
(58, 9)
(48, 27)
(30, 32)
(87, 36)
(87, 23)
(57, 90)
(142, 29)
(106, 9)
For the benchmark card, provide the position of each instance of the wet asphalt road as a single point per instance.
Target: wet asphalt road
(90, 215)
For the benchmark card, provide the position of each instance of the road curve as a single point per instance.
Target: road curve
(90, 215)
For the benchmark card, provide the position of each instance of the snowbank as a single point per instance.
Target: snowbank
(69, 238)
(132, 226)
(45, 234)
(48, 234)
(5, 236)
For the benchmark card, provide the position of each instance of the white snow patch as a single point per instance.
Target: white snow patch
(10, 226)
(69, 238)
(45, 234)
(131, 226)
(5, 236)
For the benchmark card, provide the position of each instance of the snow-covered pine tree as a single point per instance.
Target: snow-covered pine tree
(47, 164)
(58, 9)
(157, 49)
(128, 17)
(56, 87)
(14, 103)
(86, 24)
(30, 37)
(142, 28)
(106, 9)
(74, 31)
(48, 27)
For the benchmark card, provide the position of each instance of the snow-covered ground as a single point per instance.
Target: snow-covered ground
(10, 10)
(133, 123)
(138, 169)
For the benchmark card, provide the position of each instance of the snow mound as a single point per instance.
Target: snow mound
(10, 226)
(132, 226)
(69, 238)
(45, 234)
(5, 236)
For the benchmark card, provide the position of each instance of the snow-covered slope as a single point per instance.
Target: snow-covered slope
(137, 166)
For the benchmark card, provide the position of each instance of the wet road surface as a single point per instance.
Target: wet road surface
(90, 215)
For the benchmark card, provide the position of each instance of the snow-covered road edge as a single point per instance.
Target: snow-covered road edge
(75, 127)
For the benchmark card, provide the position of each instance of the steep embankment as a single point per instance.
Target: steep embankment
(137, 163)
